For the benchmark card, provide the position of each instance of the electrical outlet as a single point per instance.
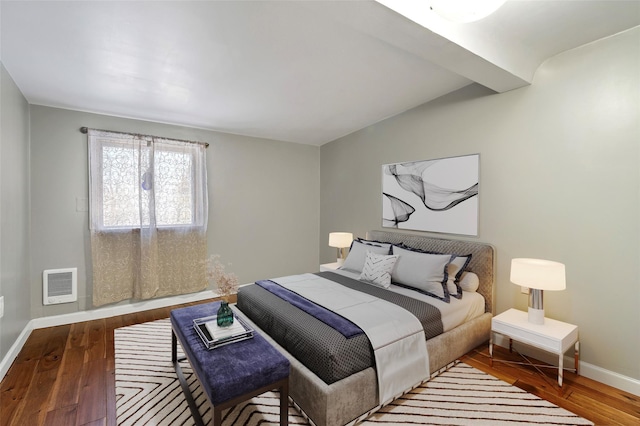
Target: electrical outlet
(1, 306)
(524, 290)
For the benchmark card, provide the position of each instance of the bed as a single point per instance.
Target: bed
(337, 386)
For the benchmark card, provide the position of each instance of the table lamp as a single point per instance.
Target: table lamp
(340, 240)
(538, 275)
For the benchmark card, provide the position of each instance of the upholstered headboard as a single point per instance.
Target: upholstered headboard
(482, 259)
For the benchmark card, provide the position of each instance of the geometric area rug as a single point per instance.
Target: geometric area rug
(148, 393)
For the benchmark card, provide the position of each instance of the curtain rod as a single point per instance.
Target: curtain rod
(85, 130)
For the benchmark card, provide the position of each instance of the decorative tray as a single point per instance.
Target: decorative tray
(214, 336)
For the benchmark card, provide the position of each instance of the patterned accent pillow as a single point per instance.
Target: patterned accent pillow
(377, 269)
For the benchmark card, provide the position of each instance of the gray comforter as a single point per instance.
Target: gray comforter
(319, 347)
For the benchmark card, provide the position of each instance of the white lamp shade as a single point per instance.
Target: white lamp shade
(464, 11)
(539, 274)
(340, 239)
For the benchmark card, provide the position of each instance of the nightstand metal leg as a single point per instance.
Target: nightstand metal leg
(491, 349)
(576, 358)
(510, 345)
(560, 370)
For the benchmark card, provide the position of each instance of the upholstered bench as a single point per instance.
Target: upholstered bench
(228, 374)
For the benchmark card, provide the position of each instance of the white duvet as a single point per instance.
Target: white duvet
(396, 335)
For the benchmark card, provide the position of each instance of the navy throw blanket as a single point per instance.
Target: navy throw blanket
(333, 320)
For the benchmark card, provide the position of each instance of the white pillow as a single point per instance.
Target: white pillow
(357, 253)
(469, 281)
(377, 269)
(424, 272)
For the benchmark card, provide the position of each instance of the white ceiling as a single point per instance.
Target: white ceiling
(299, 71)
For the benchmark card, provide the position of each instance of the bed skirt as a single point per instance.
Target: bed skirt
(348, 399)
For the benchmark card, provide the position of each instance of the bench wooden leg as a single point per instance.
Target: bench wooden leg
(174, 347)
(284, 403)
(217, 416)
(197, 418)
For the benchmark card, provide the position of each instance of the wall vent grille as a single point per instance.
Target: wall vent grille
(59, 286)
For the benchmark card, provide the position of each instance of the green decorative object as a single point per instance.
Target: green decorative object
(225, 314)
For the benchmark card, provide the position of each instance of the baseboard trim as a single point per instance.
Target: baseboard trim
(611, 378)
(599, 374)
(94, 314)
(112, 311)
(14, 350)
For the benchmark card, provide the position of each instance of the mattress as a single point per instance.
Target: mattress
(454, 313)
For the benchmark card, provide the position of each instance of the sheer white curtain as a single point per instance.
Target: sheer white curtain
(148, 206)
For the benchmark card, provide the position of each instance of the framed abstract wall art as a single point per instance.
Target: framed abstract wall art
(433, 195)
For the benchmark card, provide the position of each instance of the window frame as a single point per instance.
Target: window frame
(129, 141)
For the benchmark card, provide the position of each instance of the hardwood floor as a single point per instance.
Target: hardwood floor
(602, 404)
(65, 376)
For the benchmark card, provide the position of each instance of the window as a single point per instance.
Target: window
(148, 208)
(140, 181)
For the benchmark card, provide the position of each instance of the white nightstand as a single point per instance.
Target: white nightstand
(553, 336)
(329, 266)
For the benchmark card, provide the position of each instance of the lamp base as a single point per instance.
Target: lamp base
(536, 306)
(342, 255)
(536, 316)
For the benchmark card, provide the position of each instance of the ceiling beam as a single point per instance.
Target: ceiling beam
(466, 50)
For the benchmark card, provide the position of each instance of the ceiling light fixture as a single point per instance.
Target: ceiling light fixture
(464, 11)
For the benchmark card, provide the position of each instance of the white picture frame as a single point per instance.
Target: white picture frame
(440, 195)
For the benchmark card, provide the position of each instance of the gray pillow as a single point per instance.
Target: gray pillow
(358, 252)
(376, 243)
(454, 271)
(424, 272)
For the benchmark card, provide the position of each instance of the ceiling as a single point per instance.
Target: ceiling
(300, 71)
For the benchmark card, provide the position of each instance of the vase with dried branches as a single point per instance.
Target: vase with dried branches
(226, 284)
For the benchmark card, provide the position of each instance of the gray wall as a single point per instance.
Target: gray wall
(263, 200)
(559, 180)
(14, 211)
